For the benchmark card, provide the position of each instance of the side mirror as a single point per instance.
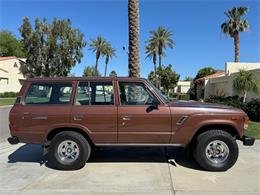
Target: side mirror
(153, 106)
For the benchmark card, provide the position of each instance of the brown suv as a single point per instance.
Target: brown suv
(70, 116)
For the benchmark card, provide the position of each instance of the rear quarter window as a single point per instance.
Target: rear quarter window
(49, 93)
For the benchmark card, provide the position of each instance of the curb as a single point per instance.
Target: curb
(6, 106)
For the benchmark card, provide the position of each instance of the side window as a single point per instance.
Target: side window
(135, 94)
(55, 93)
(101, 93)
(83, 95)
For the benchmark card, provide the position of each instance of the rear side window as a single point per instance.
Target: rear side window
(49, 93)
(95, 93)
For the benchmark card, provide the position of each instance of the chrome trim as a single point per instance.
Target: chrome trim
(40, 118)
(137, 144)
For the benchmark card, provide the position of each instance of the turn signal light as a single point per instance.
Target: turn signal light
(246, 122)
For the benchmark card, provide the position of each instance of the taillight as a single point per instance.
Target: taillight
(246, 122)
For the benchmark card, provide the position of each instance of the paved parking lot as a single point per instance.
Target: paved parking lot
(146, 170)
(117, 170)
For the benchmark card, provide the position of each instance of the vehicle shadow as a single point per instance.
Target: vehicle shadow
(32, 153)
(174, 156)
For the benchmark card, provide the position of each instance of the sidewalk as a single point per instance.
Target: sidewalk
(126, 171)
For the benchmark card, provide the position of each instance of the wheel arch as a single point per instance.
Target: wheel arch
(224, 127)
(57, 130)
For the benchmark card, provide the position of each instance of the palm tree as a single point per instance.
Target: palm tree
(161, 38)
(98, 46)
(151, 53)
(109, 53)
(244, 82)
(133, 55)
(91, 71)
(234, 25)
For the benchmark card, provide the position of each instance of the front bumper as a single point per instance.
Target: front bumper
(248, 141)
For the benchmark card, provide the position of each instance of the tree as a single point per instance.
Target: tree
(204, 72)
(51, 49)
(151, 53)
(169, 78)
(10, 45)
(234, 25)
(133, 25)
(161, 39)
(109, 53)
(188, 78)
(244, 82)
(98, 46)
(113, 73)
(91, 71)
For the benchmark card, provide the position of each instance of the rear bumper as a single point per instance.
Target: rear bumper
(248, 141)
(13, 140)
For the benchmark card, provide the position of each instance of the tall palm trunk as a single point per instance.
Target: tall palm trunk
(105, 70)
(244, 97)
(160, 66)
(236, 43)
(96, 66)
(155, 76)
(133, 56)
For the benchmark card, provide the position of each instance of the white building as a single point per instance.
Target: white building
(11, 78)
(182, 87)
(221, 83)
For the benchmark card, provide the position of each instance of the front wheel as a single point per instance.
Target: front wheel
(215, 150)
(69, 151)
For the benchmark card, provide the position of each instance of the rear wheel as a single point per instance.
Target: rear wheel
(215, 150)
(69, 151)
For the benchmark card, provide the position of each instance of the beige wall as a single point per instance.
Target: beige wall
(233, 67)
(224, 85)
(11, 81)
(182, 87)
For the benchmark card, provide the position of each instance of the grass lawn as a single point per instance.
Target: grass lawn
(6, 101)
(253, 130)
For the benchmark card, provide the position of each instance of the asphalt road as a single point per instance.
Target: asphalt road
(4, 129)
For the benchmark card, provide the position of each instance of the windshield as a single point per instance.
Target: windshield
(159, 92)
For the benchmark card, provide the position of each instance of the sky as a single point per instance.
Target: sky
(195, 25)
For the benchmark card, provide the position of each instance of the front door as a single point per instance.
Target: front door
(141, 118)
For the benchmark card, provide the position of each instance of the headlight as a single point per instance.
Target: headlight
(246, 122)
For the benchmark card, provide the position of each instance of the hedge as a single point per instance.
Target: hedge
(8, 94)
(252, 108)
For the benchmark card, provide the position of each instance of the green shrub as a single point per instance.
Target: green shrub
(184, 96)
(252, 108)
(8, 94)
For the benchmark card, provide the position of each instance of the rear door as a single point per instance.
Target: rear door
(94, 109)
(45, 104)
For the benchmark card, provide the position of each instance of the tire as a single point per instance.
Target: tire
(222, 157)
(69, 151)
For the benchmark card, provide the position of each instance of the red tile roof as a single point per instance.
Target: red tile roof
(3, 70)
(215, 75)
(7, 58)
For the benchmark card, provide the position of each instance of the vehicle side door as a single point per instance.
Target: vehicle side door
(95, 110)
(44, 105)
(141, 117)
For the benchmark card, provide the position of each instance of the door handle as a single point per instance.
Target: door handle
(77, 118)
(126, 118)
(40, 118)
